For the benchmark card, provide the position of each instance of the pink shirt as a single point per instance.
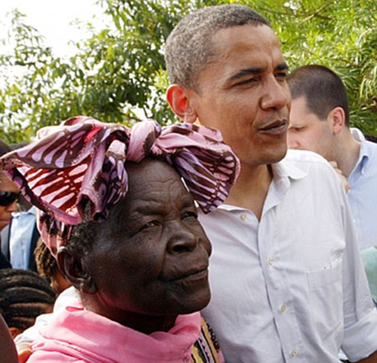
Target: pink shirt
(78, 335)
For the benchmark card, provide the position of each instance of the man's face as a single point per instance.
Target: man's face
(153, 260)
(6, 185)
(308, 132)
(244, 94)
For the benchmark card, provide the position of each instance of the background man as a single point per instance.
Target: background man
(320, 122)
(286, 276)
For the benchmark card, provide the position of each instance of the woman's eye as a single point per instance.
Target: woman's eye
(150, 224)
(190, 215)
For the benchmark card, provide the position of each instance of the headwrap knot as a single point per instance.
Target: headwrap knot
(79, 166)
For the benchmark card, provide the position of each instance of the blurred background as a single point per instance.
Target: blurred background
(105, 58)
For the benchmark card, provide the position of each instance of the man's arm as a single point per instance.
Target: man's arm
(371, 359)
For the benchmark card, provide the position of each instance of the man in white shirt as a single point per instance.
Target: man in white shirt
(286, 276)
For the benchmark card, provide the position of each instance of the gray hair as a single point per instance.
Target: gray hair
(188, 47)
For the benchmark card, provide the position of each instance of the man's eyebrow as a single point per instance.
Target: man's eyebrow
(282, 67)
(246, 72)
(256, 70)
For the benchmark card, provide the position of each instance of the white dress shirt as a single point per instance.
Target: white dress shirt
(22, 228)
(290, 287)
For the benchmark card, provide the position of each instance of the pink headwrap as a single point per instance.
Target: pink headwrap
(79, 166)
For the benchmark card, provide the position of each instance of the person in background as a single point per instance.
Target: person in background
(320, 122)
(24, 295)
(286, 276)
(19, 238)
(121, 219)
(369, 257)
(4, 263)
(9, 195)
(47, 267)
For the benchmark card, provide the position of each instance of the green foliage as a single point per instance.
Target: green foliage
(118, 73)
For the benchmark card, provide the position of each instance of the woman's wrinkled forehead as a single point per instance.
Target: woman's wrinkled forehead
(155, 188)
(152, 177)
(149, 168)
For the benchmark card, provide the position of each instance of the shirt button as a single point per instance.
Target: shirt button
(294, 352)
(243, 217)
(270, 261)
(283, 307)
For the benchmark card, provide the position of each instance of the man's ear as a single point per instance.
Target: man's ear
(179, 102)
(71, 265)
(337, 118)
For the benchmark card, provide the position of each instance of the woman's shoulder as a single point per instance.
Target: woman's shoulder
(206, 348)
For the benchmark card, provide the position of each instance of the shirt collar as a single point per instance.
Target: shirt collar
(32, 211)
(286, 170)
(284, 173)
(364, 154)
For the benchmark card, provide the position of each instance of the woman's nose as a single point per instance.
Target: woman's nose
(182, 239)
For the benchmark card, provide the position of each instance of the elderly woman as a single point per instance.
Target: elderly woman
(118, 211)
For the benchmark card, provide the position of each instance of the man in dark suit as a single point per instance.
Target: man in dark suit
(19, 239)
(4, 263)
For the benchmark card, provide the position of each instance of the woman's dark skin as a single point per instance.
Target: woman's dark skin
(148, 262)
(7, 347)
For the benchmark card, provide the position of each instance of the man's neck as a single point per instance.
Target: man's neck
(251, 189)
(349, 154)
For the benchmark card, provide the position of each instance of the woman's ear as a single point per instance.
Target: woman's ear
(71, 265)
(179, 102)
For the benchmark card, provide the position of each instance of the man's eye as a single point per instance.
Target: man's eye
(281, 75)
(246, 82)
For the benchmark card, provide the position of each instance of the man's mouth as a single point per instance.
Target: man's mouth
(276, 127)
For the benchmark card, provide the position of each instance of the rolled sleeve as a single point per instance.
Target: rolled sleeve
(360, 339)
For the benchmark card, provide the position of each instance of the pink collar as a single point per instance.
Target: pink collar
(93, 338)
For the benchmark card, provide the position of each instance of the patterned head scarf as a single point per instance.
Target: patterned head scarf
(76, 171)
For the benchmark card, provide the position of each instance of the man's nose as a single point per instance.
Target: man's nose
(276, 95)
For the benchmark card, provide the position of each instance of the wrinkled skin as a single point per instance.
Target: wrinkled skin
(150, 258)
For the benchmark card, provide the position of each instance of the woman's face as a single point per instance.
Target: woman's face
(6, 185)
(151, 256)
